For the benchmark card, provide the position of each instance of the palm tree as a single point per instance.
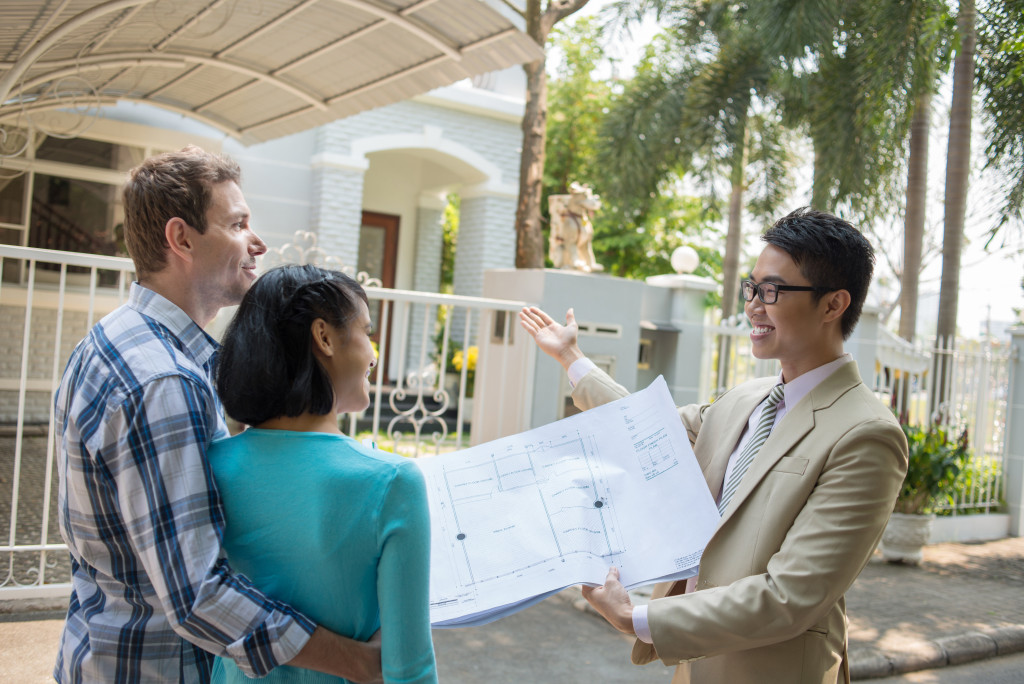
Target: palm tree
(709, 117)
(958, 158)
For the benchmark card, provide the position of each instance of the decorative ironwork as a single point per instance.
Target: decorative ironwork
(303, 249)
(419, 415)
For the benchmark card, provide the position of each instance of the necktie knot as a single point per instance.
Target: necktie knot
(775, 396)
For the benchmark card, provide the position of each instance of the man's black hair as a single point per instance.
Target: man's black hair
(830, 253)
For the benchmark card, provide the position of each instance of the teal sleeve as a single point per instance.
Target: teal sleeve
(403, 580)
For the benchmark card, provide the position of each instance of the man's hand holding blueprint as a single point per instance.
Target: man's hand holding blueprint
(523, 517)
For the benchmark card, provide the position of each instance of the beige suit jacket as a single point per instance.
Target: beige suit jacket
(769, 602)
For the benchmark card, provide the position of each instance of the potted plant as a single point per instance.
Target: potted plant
(934, 464)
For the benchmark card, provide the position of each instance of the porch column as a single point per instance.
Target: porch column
(337, 209)
(427, 275)
(1014, 466)
(487, 239)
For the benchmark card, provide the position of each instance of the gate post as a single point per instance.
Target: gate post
(1014, 473)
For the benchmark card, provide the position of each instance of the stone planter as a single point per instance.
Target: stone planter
(904, 537)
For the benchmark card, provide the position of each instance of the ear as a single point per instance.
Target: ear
(180, 238)
(322, 345)
(836, 303)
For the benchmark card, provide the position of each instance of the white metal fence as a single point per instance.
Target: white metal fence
(962, 386)
(49, 299)
(908, 378)
(727, 360)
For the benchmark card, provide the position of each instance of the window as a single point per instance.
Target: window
(73, 196)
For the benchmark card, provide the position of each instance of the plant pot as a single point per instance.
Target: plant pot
(904, 537)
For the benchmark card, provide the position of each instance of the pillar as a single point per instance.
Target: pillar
(427, 275)
(338, 204)
(1013, 473)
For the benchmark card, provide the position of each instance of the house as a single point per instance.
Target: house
(349, 120)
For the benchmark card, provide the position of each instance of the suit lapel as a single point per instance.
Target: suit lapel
(717, 459)
(798, 421)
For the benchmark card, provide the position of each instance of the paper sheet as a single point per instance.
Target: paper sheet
(522, 517)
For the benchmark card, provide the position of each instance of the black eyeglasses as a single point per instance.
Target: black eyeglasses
(768, 293)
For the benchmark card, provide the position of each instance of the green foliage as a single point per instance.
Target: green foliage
(450, 232)
(641, 245)
(861, 96)
(935, 463)
(1000, 64)
(979, 479)
(644, 216)
(576, 104)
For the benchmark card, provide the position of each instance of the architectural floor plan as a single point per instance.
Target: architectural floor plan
(521, 517)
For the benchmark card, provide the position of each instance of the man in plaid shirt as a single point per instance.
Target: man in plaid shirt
(153, 597)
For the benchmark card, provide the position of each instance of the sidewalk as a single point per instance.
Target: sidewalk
(965, 602)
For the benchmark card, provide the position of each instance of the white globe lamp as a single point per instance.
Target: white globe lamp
(684, 259)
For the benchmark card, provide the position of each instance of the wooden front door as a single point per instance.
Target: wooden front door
(378, 255)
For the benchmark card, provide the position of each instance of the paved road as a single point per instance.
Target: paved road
(550, 643)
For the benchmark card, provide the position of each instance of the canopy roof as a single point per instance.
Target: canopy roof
(254, 69)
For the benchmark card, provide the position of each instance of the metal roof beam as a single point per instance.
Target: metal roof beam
(144, 58)
(110, 101)
(28, 60)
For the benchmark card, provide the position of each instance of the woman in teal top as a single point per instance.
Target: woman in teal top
(337, 530)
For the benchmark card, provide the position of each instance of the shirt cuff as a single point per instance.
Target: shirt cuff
(579, 368)
(264, 649)
(640, 626)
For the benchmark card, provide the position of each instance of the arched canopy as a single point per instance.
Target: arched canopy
(255, 70)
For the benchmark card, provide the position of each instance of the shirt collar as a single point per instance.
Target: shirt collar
(200, 346)
(802, 386)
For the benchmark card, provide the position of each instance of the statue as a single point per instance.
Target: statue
(569, 244)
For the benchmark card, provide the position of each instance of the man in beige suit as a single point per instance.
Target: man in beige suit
(805, 468)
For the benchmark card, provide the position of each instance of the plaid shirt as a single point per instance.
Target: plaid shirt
(153, 596)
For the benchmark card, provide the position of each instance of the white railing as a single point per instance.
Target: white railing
(962, 386)
(44, 304)
(49, 299)
(973, 398)
(727, 360)
(425, 388)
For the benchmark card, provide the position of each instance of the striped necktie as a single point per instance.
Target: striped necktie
(746, 457)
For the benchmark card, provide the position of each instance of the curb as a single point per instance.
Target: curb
(868, 662)
(871, 663)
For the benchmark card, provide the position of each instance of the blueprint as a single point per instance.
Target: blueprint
(522, 517)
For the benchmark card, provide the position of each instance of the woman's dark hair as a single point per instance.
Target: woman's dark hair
(830, 253)
(266, 367)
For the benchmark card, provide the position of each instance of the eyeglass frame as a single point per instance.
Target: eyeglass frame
(756, 289)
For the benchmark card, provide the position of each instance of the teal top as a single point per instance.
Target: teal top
(340, 532)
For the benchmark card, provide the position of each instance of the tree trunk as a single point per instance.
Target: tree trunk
(913, 239)
(731, 258)
(958, 158)
(914, 221)
(819, 186)
(734, 236)
(529, 236)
